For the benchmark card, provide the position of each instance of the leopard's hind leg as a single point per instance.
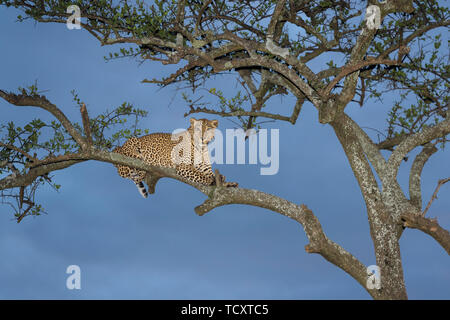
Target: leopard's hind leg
(137, 177)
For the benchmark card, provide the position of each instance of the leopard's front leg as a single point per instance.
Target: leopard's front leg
(202, 175)
(194, 174)
(219, 180)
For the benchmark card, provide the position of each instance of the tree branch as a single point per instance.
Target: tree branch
(415, 189)
(275, 18)
(219, 196)
(350, 68)
(86, 125)
(42, 102)
(318, 242)
(383, 225)
(434, 196)
(198, 22)
(390, 143)
(239, 113)
(409, 143)
(392, 195)
(429, 226)
(11, 147)
(14, 181)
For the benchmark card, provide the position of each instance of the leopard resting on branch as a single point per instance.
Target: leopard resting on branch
(186, 151)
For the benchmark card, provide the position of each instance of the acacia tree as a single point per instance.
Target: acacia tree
(391, 45)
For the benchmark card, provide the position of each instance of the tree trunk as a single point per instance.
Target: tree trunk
(383, 228)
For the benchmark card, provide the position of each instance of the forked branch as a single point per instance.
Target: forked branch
(318, 241)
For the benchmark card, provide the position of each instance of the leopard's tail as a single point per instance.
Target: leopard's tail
(142, 190)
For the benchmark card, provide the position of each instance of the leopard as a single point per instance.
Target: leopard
(185, 151)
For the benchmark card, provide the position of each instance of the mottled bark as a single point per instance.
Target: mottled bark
(383, 228)
(429, 226)
(415, 189)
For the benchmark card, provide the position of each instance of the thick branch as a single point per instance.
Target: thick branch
(357, 54)
(390, 143)
(429, 226)
(42, 102)
(415, 190)
(362, 45)
(275, 18)
(426, 135)
(383, 229)
(392, 196)
(14, 181)
(318, 242)
(239, 113)
(290, 74)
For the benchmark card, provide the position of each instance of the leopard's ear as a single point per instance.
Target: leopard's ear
(215, 123)
(192, 121)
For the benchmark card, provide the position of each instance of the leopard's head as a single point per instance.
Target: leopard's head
(203, 128)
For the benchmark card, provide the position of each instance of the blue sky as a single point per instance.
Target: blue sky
(157, 248)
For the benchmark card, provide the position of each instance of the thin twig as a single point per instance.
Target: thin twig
(11, 147)
(24, 213)
(429, 226)
(434, 196)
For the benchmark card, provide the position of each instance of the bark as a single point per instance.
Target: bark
(415, 190)
(383, 228)
(430, 227)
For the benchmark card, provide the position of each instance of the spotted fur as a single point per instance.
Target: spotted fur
(158, 149)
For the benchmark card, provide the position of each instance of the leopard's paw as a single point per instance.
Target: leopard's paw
(230, 184)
